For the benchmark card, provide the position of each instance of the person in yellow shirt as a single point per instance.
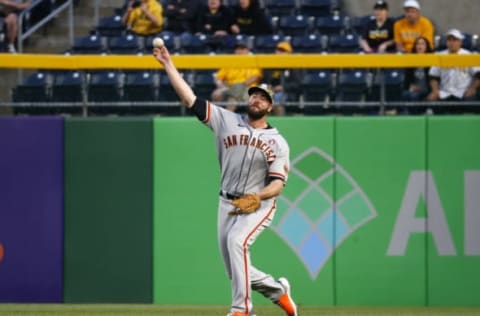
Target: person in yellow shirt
(233, 83)
(144, 17)
(412, 26)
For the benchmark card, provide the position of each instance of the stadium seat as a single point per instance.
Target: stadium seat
(168, 39)
(193, 44)
(266, 43)
(344, 43)
(330, 25)
(315, 7)
(34, 88)
(356, 24)
(308, 44)
(294, 25)
(68, 86)
(352, 85)
(280, 7)
(91, 44)
(123, 44)
(111, 26)
(317, 86)
(166, 93)
(204, 83)
(394, 81)
(139, 86)
(103, 86)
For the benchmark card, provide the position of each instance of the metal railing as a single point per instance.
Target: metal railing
(23, 35)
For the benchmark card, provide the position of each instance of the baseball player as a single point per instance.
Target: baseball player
(254, 162)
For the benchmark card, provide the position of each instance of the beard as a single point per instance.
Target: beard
(255, 113)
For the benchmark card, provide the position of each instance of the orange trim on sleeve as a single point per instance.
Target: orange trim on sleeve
(277, 175)
(207, 116)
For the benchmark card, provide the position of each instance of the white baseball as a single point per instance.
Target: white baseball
(158, 42)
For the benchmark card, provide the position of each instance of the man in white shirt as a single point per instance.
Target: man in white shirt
(454, 84)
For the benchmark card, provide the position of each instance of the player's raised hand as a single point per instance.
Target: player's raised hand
(162, 55)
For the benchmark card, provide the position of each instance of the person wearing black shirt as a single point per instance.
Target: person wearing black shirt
(377, 36)
(250, 19)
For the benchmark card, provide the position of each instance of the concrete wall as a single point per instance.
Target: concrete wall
(461, 14)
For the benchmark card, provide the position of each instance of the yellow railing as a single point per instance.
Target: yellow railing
(39, 61)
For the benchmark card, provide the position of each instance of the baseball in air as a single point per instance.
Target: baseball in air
(158, 42)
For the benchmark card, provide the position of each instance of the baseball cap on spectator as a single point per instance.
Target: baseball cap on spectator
(262, 88)
(455, 33)
(411, 4)
(380, 5)
(284, 46)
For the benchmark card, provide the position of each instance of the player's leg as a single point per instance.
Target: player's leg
(224, 224)
(241, 236)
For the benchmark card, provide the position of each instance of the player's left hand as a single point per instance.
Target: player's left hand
(246, 204)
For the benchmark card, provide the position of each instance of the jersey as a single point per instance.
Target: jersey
(407, 33)
(249, 158)
(454, 81)
(141, 24)
(375, 35)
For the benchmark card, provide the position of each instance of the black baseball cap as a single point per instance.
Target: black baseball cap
(380, 5)
(262, 88)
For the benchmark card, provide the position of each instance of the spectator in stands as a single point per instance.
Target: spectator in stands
(283, 81)
(377, 36)
(9, 10)
(214, 19)
(417, 80)
(411, 26)
(250, 19)
(233, 83)
(456, 83)
(181, 15)
(144, 17)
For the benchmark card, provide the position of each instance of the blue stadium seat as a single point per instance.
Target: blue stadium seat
(91, 44)
(34, 88)
(281, 7)
(204, 83)
(139, 86)
(168, 39)
(111, 26)
(317, 86)
(294, 25)
(315, 7)
(307, 44)
(356, 24)
(394, 82)
(68, 86)
(193, 44)
(330, 25)
(266, 43)
(344, 43)
(103, 86)
(352, 85)
(124, 44)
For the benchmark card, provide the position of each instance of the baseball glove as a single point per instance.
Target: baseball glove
(245, 204)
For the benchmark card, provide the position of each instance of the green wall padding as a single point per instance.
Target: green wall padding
(108, 210)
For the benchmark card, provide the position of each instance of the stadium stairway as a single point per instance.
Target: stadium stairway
(53, 38)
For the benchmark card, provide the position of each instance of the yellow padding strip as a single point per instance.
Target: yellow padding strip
(39, 61)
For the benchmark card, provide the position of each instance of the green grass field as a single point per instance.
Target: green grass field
(183, 310)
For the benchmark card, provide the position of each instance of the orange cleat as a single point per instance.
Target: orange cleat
(285, 301)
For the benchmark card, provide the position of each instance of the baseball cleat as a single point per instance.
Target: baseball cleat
(237, 314)
(285, 301)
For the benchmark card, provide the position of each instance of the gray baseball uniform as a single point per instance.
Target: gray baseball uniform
(249, 159)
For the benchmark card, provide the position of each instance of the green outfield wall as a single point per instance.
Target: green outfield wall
(108, 217)
(377, 211)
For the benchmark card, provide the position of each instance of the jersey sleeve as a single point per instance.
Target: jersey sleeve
(280, 167)
(210, 114)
